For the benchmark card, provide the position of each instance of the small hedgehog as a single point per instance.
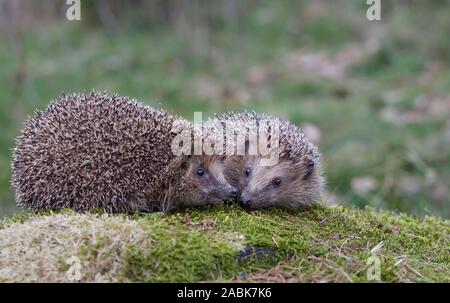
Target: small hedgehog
(294, 179)
(97, 151)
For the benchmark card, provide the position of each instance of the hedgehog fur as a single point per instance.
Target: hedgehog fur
(295, 180)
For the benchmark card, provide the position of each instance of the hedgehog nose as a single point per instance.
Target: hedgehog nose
(233, 192)
(245, 201)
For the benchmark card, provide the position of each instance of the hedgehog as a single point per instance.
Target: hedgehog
(293, 176)
(98, 151)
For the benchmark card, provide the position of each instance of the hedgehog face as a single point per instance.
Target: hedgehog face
(204, 182)
(286, 184)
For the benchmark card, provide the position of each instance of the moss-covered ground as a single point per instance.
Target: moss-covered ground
(321, 244)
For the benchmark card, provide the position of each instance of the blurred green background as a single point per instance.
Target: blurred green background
(374, 95)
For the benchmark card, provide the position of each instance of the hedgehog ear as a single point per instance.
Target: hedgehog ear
(309, 168)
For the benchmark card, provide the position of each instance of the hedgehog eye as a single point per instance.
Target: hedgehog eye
(309, 169)
(200, 172)
(248, 171)
(276, 182)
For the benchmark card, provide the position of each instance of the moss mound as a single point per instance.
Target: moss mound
(225, 244)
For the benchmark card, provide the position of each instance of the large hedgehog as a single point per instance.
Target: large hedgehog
(97, 151)
(284, 168)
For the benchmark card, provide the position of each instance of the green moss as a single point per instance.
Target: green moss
(17, 218)
(181, 251)
(330, 243)
(319, 244)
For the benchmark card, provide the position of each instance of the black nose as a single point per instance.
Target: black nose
(245, 202)
(233, 192)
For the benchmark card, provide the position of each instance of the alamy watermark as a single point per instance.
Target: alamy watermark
(374, 264)
(374, 11)
(74, 271)
(225, 138)
(73, 12)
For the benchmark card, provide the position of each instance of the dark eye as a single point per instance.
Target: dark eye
(247, 171)
(276, 182)
(309, 169)
(200, 172)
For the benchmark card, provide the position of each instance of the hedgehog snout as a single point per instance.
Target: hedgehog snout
(245, 201)
(233, 192)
